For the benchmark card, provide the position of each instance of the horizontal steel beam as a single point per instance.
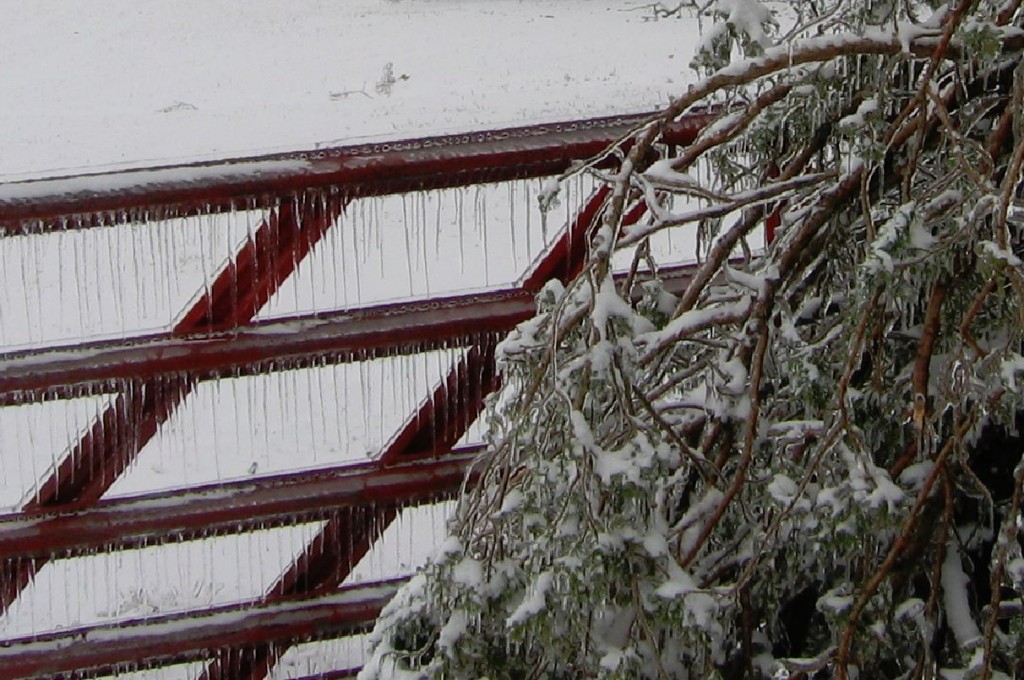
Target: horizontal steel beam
(229, 507)
(352, 171)
(117, 434)
(360, 334)
(188, 636)
(338, 674)
(293, 342)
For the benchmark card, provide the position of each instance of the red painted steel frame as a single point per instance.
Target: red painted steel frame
(116, 438)
(106, 649)
(230, 507)
(441, 421)
(353, 171)
(352, 335)
(242, 288)
(263, 347)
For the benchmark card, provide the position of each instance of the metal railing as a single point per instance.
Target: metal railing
(152, 374)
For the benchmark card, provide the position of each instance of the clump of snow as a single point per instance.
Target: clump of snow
(453, 630)
(835, 601)
(547, 198)
(513, 501)
(679, 583)
(613, 659)
(663, 173)
(451, 546)
(746, 16)
(914, 475)
(468, 572)
(695, 320)
(857, 119)
(736, 376)
(1015, 569)
(955, 599)
(655, 544)
(999, 254)
(699, 606)
(534, 600)
(1012, 364)
(783, 489)
(887, 237)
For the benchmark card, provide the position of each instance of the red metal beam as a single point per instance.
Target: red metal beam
(351, 335)
(353, 171)
(229, 507)
(177, 638)
(334, 675)
(568, 253)
(440, 421)
(370, 172)
(266, 346)
(117, 436)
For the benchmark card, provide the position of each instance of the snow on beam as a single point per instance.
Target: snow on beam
(229, 507)
(117, 435)
(440, 421)
(188, 636)
(384, 330)
(329, 558)
(238, 292)
(353, 171)
(291, 342)
(338, 674)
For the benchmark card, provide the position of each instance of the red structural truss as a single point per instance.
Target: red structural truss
(186, 636)
(303, 193)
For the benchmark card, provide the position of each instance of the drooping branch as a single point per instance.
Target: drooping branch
(672, 473)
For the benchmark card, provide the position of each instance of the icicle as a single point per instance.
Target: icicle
(459, 217)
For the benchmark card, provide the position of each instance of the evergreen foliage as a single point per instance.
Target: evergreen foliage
(800, 467)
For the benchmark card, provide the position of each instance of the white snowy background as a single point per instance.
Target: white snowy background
(118, 83)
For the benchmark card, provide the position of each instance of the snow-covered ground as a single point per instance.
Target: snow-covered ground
(128, 83)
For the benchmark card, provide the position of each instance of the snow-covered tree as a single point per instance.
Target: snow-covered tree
(802, 465)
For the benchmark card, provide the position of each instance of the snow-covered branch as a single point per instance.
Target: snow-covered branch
(799, 464)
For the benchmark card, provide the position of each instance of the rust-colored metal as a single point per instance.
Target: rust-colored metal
(307, 189)
(116, 437)
(293, 342)
(106, 649)
(357, 171)
(440, 421)
(229, 507)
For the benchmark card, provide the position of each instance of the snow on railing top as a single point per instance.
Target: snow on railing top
(373, 169)
(218, 334)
